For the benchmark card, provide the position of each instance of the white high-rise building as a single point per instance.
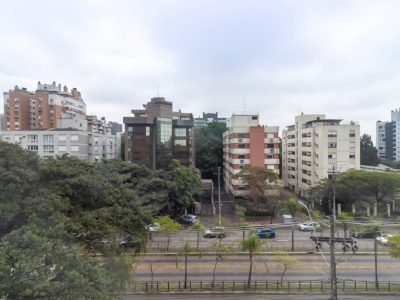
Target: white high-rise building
(315, 147)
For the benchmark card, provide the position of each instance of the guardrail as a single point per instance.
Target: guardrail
(323, 286)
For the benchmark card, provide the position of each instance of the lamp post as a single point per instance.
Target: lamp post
(219, 196)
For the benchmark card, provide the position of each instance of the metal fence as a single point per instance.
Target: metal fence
(263, 286)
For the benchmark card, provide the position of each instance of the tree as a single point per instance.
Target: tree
(221, 250)
(368, 153)
(185, 250)
(287, 262)
(251, 244)
(291, 207)
(184, 184)
(168, 225)
(260, 179)
(394, 245)
(209, 148)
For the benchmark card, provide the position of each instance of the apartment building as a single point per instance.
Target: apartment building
(156, 134)
(247, 143)
(315, 147)
(88, 146)
(388, 137)
(50, 106)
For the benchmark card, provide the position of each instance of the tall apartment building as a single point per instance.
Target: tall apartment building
(156, 134)
(207, 118)
(52, 121)
(247, 143)
(315, 147)
(50, 106)
(388, 137)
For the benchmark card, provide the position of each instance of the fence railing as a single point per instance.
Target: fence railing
(263, 286)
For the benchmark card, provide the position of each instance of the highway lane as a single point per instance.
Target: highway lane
(235, 267)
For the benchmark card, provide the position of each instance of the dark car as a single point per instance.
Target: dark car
(187, 219)
(129, 242)
(266, 233)
(364, 234)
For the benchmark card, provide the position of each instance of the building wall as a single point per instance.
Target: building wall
(247, 143)
(313, 151)
(87, 146)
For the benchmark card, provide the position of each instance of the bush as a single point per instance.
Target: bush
(197, 225)
(243, 224)
(257, 213)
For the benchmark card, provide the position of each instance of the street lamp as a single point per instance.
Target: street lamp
(219, 196)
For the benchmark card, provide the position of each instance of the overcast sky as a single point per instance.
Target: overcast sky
(340, 58)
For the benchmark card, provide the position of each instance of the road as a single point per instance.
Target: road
(240, 296)
(235, 267)
(234, 236)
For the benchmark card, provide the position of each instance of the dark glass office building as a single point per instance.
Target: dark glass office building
(156, 134)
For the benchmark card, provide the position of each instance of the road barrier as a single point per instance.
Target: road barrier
(320, 286)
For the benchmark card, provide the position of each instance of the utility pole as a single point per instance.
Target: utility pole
(333, 259)
(376, 261)
(219, 197)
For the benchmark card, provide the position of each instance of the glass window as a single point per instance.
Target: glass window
(74, 137)
(48, 149)
(33, 148)
(75, 149)
(62, 148)
(181, 142)
(62, 138)
(5, 138)
(33, 138)
(148, 132)
(48, 138)
(180, 132)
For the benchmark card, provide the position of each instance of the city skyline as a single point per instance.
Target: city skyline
(274, 59)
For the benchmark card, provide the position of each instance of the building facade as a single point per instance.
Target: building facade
(50, 106)
(156, 134)
(208, 118)
(388, 137)
(315, 147)
(247, 143)
(88, 146)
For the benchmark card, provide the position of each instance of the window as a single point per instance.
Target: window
(254, 117)
(331, 145)
(62, 148)
(242, 146)
(33, 148)
(147, 131)
(62, 138)
(74, 148)
(130, 129)
(33, 138)
(178, 132)
(332, 133)
(242, 156)
(270, 135)
(270, 146)
(5, 138)
(352, 133)
(269, 167)
(242, 161)
(48, 149)
(74, 137)
(352, 156)
(181, 143)
(48, 138)
(331, 155)
(241, 135)
(18, 138)
(270, 156)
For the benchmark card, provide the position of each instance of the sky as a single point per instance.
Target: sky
(274, 58)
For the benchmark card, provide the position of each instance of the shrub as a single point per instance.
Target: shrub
(243, 224)
(197, 225)
(257, 213)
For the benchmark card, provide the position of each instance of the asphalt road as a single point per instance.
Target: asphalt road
(235, 267)
(240, 296)
(233, 237)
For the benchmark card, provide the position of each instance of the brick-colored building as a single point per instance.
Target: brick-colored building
(247, 143)
(50, 106)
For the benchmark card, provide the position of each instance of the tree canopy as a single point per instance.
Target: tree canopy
(209, 148)
(368, 153)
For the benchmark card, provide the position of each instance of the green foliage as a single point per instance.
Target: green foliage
(390, 163)
(60, 212)
(243, 224)
(251, 244)
(394, 245)
(198, 226)
(291, 207)
(257, 213)
(209, 148)
(184, 184)
(368, 153)
(167, 224)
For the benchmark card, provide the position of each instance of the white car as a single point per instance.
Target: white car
(383, 239)
(309, 226)
(153, 227)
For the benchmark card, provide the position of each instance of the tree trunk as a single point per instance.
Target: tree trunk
(283, 274)
(169, 238)
(185, 285)
(250, 269)
(215, 268)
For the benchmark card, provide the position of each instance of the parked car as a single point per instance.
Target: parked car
(153, 227)
(309, 226)
(129, 242)
(267, 233)
(365, 234)
(383, 239)
(187, 219)
(215, 232)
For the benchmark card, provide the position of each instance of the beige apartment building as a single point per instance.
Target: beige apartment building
(247, 143)
(314, 148)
